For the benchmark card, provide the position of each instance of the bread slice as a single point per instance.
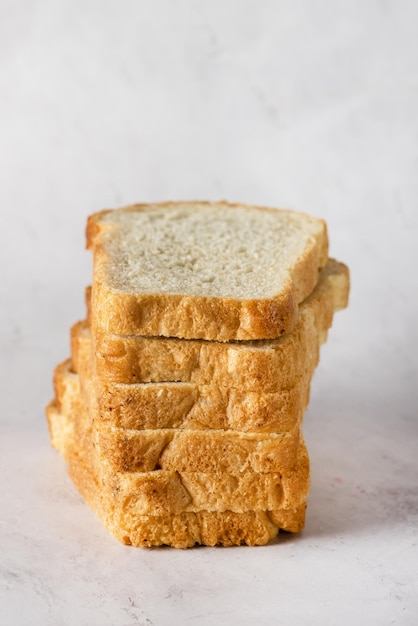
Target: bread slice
(188, 406)
(261, 366)
(183, 530)
(197, 270)
(198, 450)
(172, 492)
(186, 450)
(121, 513)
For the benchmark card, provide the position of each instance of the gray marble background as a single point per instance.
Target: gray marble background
(305, 105)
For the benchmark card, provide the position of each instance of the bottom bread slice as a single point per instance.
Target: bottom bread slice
(170, 492)
(180, 530)
(185, 529)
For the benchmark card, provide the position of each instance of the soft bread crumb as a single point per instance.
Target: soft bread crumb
(233, 253)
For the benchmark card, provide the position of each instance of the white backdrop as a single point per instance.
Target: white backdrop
(304, 105)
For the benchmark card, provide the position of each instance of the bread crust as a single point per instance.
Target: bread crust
(183, 405)
(260, 366)
(182, 450)
(201, 317)
(182, 530)
(209, 451)
(120, 500)
(179, 415)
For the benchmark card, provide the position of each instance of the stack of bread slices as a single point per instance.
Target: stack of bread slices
(180, 411)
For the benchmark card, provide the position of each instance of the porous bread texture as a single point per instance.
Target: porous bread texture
(183, 450)
(210, 271)
(162, 494)
(260, 366)
(200, 249)
(183, 405)
(257, 367)
(180, 530)
(198, 450)
(151, 449)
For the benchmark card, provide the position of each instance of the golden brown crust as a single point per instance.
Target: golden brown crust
(93, 227)
(87, 296)
(262, 366)
(188, 406)
(201, 317)
(182, 530)
(184, 405)
(174, 489)
(187, 316)
(61, 429)
(66, 387)
(118, 504)
(157, 479)
(256, 368)
(198, 450)
(168, 492)
(182, 450)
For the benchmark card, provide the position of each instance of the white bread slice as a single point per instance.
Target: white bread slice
(261, 366)
(181, 405)
(183, 530)
(181, 450)
(120, 499)
(197, 270)
(206, 451)
(181, 488)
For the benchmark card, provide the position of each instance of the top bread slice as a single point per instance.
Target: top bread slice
(197, 270)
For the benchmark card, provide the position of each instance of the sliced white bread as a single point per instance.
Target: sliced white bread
(265, 366)
(180, 450)
(182, 530)
(197, 270)
(181, 509)
(165, 491)
(182, 405)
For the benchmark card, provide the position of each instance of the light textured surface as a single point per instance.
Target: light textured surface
(210, 250)
(305, 105)
(213, 270)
